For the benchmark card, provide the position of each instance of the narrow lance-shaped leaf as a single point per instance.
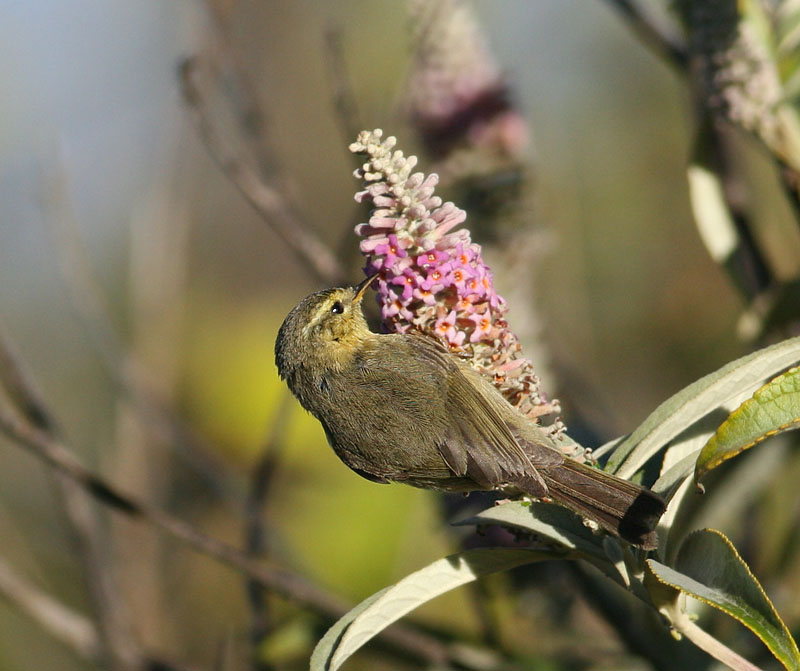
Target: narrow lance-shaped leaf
(728, 386)
(772, 409)
(379, 611)
(709, 569)
(554, 523)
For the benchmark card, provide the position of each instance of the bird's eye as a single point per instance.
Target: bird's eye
(337, 308)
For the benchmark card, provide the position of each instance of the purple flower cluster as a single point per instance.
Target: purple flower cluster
(431, 277)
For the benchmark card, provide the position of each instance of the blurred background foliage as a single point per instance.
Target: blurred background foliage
(98, 145)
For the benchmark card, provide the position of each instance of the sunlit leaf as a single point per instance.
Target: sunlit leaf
(323, 651)
(725, 388)
(553, 523)
(566, 530)
(772, 409)
(382, 609)
(709, 569)
(672, 478)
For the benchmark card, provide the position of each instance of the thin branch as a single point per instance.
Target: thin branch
(111, 615)
(74, 630)
(268, 202)
(20, 387)
(240, 89)
(261, 179)
(682, 622)
(631, 622)
(64, 624)
(125, 371)
(255, 536)
(669, 46)
(116, 641)
(282, 582)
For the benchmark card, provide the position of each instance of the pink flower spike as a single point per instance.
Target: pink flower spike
(464, 254)
(368, 245)
(434, 280)
(424, 295)
(407, 280)
(383, 222)
(445, 328)
(458, 277)
(432, 258)
(483, 326)
(391, 250)
(465, 308)
(456, 337)
(389, 310)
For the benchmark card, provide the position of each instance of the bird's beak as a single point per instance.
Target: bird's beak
(362, 288)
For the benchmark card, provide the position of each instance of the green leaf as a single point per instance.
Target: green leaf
(553, 523)
(771, 410)
(380, 610)
(324, 650)
(725, 388)
(709, 569)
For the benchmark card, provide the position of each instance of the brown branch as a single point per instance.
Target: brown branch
(69, 627)
(403, 639)
(255, 537)
(260, 179)
(116, 641)
(267, 200)
(20, 387)
(240, 90)
(125, 371)
(74, 630)
(670, 47)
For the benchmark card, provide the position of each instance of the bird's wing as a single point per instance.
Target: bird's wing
(477, 443)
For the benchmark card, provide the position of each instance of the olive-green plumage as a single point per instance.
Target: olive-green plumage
(399, 407)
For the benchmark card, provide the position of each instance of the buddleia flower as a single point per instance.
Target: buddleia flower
(431, 276)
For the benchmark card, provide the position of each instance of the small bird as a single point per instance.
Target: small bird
(402, 408)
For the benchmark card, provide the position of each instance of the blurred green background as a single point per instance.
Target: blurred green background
(95, 139)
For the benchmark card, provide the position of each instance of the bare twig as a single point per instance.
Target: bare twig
(669, 46)
(635, 625)
(125, 371)
(683, 623)
(20, 387)
(111, 615)
(261, 179)
(116, 640)
(241, 92)
(74, 630)
(268, 202)
(255, 538)
(282, 582)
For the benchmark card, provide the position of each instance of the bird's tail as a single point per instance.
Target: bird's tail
(619, 506)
